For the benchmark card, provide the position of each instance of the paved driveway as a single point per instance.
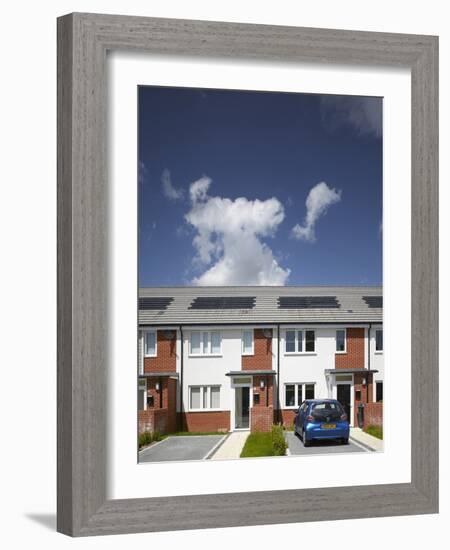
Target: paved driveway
(320, 447)
(191, 447)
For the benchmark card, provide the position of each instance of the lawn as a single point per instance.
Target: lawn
(376, 431)
(265, 444)
(258, 444)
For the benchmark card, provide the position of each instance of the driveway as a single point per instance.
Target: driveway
(191, 447)
(323, 447)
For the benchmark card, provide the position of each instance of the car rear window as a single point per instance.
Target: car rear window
(326, 406)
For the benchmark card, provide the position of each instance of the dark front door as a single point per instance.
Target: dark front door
(343, 396)
(242, 410)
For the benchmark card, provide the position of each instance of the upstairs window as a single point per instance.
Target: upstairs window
(205, 343)
(300, 341)
(341, 341)
(247, 342)
(150, 343)
(310, 340)
(379, 340)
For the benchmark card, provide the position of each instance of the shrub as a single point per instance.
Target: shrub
(376, 431)
(145, 438)
(278, 441)
(156, 436)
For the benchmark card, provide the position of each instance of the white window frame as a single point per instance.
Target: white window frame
(379, 351)
(303, 332)
(345, 341)
(203, 389)
(252, 352)
(202, 353)
(144, 343)
(296, 384)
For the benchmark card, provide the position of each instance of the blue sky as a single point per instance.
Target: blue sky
(242, 187)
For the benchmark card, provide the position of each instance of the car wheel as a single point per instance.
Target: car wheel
(306, 443)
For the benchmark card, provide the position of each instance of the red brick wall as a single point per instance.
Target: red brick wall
(261, 419)
(262, 349)
(165, 361)
(365, 390)
(160, 398)
(213, 421)
(164, 399)
(354, 358)
(373, 414)
(153, 420)
(287, 417)
(266, 393)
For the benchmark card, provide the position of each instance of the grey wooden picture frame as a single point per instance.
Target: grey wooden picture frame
(83, 42)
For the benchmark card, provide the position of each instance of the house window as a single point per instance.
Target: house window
(215, 343)
(379, 340)
(310, 340)
(290, 395)
(295, 394)
(341, 340)
(150, 343)
(204, 397)
(299, 341)
(379, 392)
(205, 343)
(247, 342)
(291, 341)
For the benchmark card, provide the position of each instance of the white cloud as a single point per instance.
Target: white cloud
(364, 114)
(168, 189)
(228, 240)
(319, 199)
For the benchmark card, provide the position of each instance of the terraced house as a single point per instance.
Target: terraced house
(239, 358)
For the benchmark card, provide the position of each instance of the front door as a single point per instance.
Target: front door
(242, 408)
(344, 398)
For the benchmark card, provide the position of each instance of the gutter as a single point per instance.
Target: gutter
(259, 324)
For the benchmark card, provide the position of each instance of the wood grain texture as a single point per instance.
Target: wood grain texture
(83, 40)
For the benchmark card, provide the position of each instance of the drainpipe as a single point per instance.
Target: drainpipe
(181, 377)
(278, 373)
(368, 361)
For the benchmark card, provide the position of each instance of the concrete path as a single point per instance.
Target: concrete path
(191, 447)
(231, 447)
(374, 444)
(319, 447)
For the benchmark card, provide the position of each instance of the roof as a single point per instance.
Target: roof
(352, 307)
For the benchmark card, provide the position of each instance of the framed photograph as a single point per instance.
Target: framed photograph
(247, 274)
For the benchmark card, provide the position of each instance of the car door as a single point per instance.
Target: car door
(301, 416)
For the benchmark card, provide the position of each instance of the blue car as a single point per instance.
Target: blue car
(321, 419)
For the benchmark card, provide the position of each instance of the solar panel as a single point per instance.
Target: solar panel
(155, 303)
(223, 302)
(374, 301)
(308, 302)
